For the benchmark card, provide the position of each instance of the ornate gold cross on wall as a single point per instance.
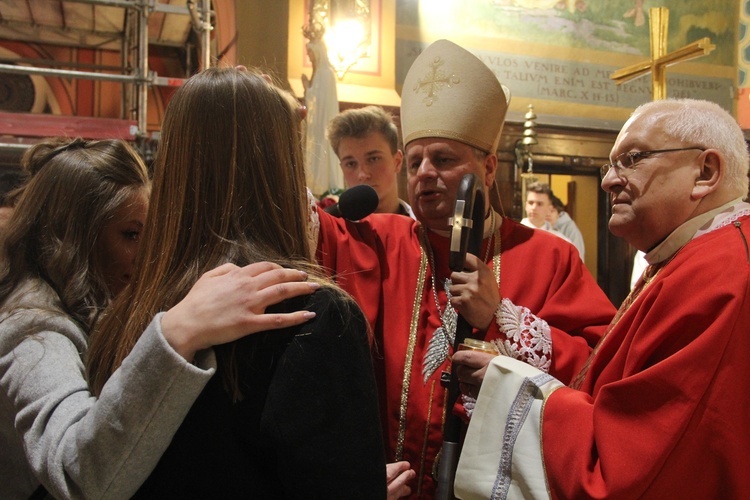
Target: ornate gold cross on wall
(660, 59)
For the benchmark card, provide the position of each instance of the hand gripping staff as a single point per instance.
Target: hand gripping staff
(466, 235)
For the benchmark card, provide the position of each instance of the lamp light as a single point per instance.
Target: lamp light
(345, 26)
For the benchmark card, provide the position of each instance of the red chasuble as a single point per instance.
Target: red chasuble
(664, 409)
(380, 262)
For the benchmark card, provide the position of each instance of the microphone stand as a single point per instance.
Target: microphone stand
(466, 235)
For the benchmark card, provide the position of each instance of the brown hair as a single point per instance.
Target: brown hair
(76, 187)
(11, 180)
(557, 204)
(361, 122)
(229, 186)
(540, 188)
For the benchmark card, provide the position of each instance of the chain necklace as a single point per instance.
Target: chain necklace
(444, 336)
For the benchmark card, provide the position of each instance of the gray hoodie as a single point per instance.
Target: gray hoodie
(76, 445)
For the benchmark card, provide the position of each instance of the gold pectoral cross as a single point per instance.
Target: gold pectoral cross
(660, 59)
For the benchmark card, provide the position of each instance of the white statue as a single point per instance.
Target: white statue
(323, 173)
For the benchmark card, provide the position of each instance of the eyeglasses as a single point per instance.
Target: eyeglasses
(628, 160)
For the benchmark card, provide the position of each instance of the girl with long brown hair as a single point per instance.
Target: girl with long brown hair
(293, 414)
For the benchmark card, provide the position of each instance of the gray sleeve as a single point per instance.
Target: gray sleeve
(577, 238)
(82, 447)
(571, 231)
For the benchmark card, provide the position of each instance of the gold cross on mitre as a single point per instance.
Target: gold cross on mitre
(435, 81)
(660, 59)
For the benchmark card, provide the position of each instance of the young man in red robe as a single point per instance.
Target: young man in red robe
(660, 410)
(527, 291)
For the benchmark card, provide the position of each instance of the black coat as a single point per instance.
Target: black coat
(307, 426)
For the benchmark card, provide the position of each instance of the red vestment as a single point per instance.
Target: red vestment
(663, 411)
(379, 261)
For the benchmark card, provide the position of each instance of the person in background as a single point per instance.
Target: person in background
(290, 414)
(68, 249)
(526, 291)
(660, 409)
(366, 143)
(539, 207)
(564, 224)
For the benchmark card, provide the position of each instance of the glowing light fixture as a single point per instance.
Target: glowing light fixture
(345, 26)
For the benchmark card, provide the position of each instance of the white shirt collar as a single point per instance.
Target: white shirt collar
(697, 226)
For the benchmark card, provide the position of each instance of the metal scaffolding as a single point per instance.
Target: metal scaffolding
(135, 52)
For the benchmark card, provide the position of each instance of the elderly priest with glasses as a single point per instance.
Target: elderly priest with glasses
(660, 410)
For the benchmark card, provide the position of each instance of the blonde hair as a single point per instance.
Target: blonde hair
(361, 122)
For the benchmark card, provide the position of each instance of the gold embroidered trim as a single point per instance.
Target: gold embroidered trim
(410, 353)
(424, 442)
(649, 274)
(496, 257)
(436, 462)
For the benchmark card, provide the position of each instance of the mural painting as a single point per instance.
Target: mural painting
(559, 54)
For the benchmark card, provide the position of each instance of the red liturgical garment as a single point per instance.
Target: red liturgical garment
(382, 262)
(662, 411)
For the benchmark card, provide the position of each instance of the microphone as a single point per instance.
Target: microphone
(355, 203)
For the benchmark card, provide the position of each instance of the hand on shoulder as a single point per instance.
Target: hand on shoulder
(229, 302)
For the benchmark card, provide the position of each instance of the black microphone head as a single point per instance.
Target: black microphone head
(358, 202)
(333, 210)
